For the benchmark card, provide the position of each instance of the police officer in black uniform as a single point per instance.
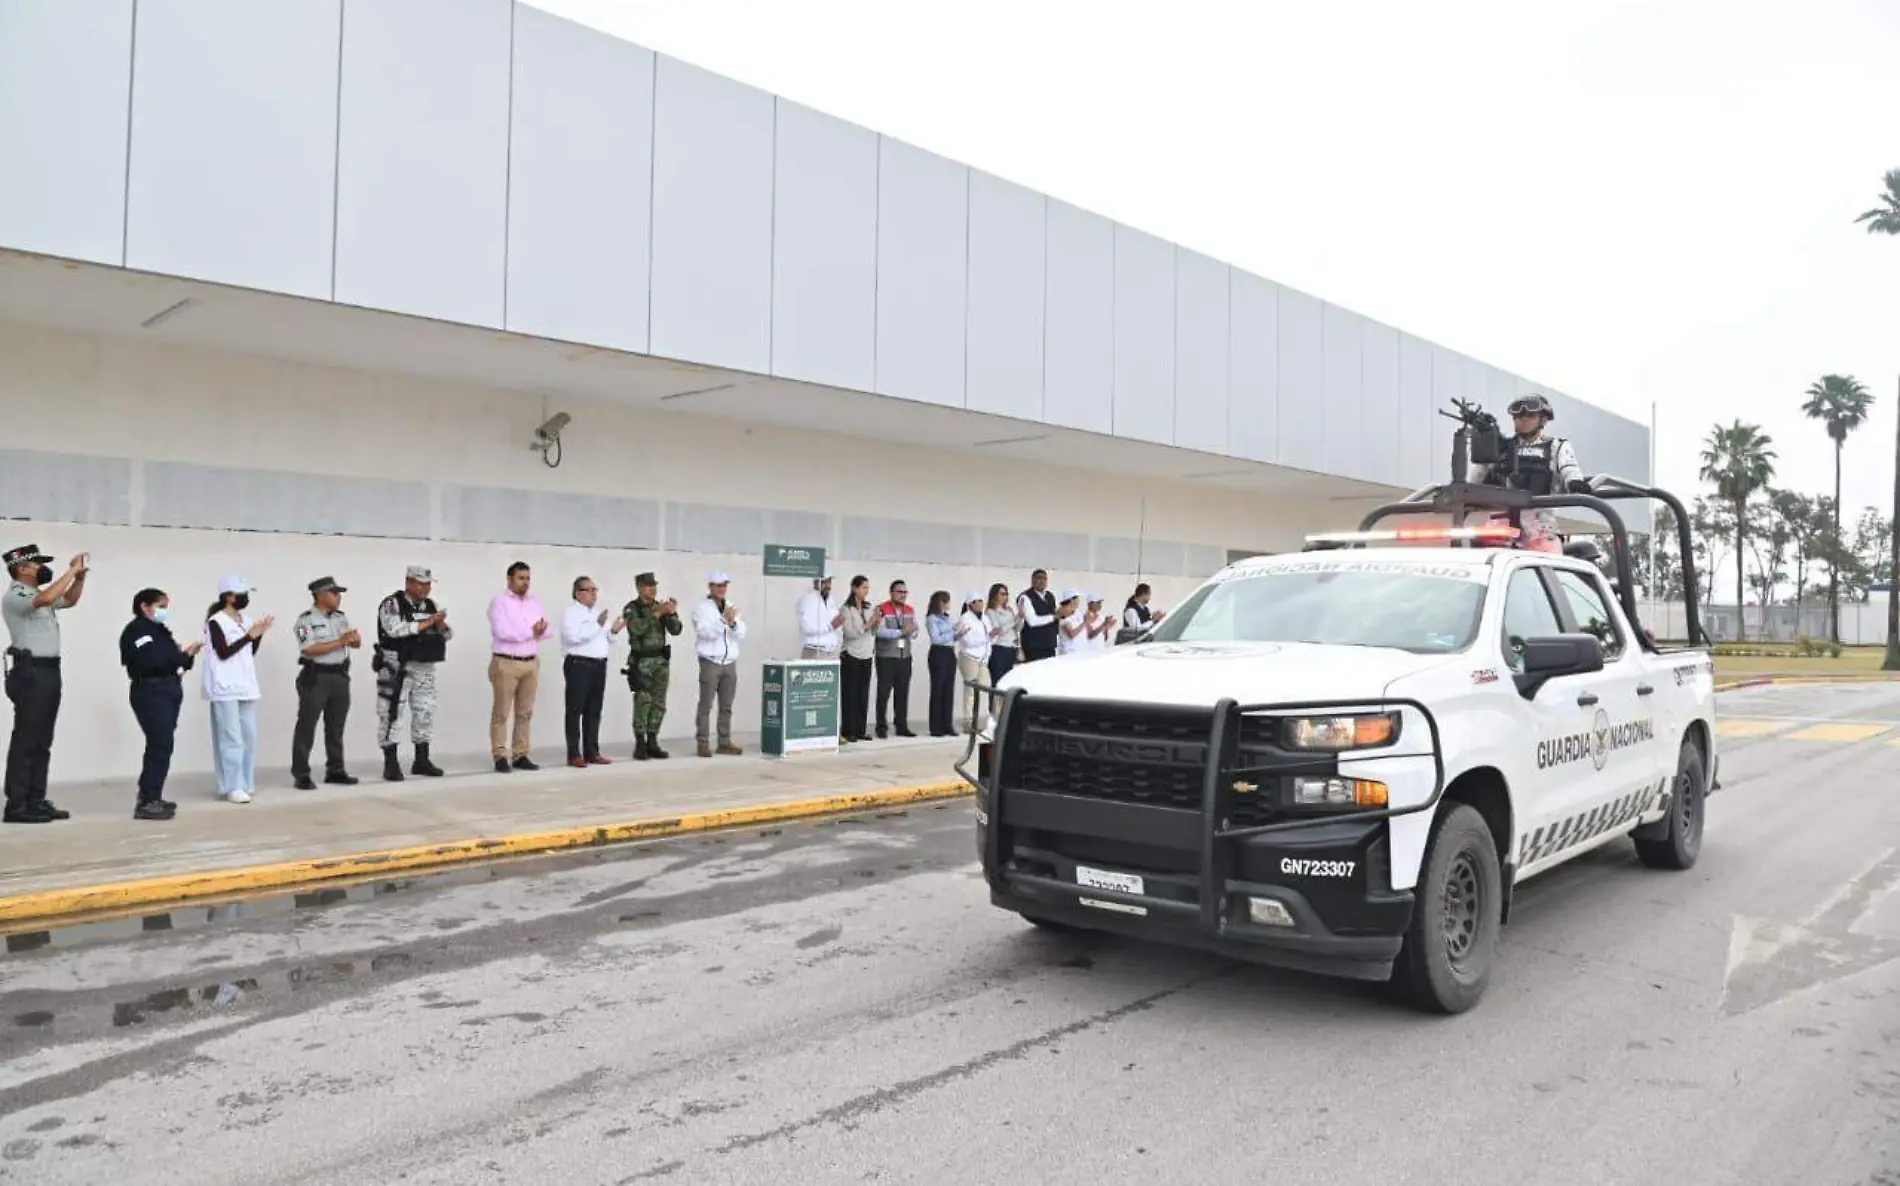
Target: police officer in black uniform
(153, 659)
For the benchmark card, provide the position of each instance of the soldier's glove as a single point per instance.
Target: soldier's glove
(1580, 486)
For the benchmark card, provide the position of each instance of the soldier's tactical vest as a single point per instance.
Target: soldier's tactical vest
(430, 647)
(1535, 468)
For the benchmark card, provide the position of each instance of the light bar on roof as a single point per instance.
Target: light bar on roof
(1491, 534)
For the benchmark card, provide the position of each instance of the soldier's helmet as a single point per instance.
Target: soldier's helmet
(1532, 405)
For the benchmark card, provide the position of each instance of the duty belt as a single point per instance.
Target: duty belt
(665, 652)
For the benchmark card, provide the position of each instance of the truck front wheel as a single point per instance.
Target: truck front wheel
(1451, 944)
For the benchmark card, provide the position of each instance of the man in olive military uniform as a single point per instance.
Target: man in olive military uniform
(412, 636)
(324, 641)
(649, 662)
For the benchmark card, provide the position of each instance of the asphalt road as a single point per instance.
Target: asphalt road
(839, 1003)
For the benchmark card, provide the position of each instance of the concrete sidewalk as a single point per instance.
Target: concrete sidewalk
(102, 843)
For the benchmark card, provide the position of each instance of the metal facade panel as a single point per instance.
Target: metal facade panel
(824, 250)
(1343, 416)
(1007, 281)
(1202, 345)
(1424, 436)
(1380, 421)
(65, 74)
(1302, 371)
(1079, 360)
(580, 184)
(711, 298)
(260, 210)
(1253, 379)
(922, 273)
(1144, 337)
(65, 488)
(178, 494)
(422, 158)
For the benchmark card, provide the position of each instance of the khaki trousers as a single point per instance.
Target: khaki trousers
(978, 703)
(515, 682)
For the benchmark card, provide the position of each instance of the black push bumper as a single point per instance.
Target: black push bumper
(1111, 851)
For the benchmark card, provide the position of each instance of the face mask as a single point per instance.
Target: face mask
(241, 601)
(160, 613)
(42, 575)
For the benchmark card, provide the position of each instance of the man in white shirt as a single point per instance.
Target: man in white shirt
(1073, 621)
(821, 621)
(588, 640)
(1101, 627)
(975, 636)
(718, 632)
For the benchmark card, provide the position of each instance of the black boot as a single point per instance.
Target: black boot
(392, 765)
(653, 747)
(423, 765)
(640, 751)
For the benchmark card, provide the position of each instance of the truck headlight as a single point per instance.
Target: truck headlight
(1339, 792)
(1341, 733)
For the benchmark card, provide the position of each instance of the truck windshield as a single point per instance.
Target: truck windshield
(1330, 604)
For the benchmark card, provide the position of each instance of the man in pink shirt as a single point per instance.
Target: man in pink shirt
(519, 624)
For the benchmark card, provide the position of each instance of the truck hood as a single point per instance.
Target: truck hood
(1202, 673)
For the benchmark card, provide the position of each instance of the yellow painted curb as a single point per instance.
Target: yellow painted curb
(48, 906)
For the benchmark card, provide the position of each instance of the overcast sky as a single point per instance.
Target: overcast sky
(1627, 201)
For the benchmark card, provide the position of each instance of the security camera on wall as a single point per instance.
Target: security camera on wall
(548, 437)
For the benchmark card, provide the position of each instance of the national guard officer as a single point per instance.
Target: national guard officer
(412, 636)
(31, 608)
(649, 661)
(324, 640)
(1538, 464)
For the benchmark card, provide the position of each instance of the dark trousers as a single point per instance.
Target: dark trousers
(854, 720)
(1002, 659)
(34, 687)
(321, 692)
(942, 664)
(586, 685)
(893, 682)
(155, 702)
(1033, 651)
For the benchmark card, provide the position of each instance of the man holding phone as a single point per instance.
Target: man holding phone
(31, 608)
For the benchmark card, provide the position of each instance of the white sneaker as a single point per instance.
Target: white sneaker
(236, 796)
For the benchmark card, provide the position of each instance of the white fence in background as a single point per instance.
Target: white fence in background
(1861, 623)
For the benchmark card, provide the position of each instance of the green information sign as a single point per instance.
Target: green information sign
(800, 711)
(785, 560)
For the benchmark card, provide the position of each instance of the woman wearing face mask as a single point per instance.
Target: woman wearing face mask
(232, 688)
(153, 660)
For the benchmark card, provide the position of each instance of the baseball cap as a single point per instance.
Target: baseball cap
(23, 554)
(234, 584)
(718, 577)
(975, 595)
(1071, 594)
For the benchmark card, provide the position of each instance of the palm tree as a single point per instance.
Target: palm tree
(1740, 462)
(1884, 219)
(1840, 402)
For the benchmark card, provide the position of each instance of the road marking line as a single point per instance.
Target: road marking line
(1848, 733)
(1740, 727)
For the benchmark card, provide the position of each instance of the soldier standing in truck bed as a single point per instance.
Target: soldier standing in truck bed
(649, 662)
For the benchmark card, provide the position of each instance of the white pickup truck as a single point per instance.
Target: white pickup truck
(1344, 760)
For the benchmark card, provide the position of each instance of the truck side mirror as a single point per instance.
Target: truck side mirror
(1558, 655)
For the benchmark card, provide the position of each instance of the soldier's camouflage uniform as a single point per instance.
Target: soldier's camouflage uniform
(649, 662)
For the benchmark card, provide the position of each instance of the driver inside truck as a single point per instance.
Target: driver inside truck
(1537, 463)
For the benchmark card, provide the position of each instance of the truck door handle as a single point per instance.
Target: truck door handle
(1587, 699)
(1644, 689)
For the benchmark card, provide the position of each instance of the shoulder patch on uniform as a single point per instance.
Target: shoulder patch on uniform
(144, 640)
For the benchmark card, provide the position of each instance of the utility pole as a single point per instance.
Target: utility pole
(1892, 660)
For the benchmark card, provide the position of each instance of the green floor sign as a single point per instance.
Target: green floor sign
(800, 711)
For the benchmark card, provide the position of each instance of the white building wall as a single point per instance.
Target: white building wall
(193, 463)
(483, 162)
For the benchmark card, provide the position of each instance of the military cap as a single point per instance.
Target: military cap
(23, 554)
(326, 585)
(646, 579)
(421, 572)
